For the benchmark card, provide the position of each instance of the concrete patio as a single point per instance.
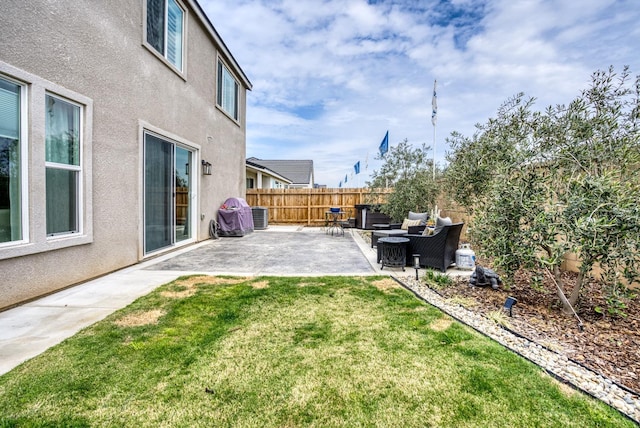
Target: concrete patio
(30, 329)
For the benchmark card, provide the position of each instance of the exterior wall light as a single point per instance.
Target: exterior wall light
(206, 167)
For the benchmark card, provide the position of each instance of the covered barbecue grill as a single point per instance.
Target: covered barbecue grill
(235, 218)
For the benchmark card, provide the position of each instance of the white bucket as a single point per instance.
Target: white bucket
(465, 257)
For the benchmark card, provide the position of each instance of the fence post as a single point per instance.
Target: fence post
(309, 207)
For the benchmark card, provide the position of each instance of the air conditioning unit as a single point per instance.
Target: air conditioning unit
(260, 218)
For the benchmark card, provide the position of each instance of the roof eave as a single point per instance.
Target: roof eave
(223, 47)
(270, 172)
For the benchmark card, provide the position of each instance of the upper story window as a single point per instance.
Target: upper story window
(11, 162)
(165, 26)
(228, 91)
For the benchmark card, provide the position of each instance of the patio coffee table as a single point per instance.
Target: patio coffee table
(381, 226)
(376, 234)
(393, 252)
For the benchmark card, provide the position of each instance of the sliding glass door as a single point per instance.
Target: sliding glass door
(167, 193)
(183, 193)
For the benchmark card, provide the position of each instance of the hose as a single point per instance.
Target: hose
(213, 229)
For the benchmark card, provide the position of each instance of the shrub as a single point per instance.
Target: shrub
(542, 184)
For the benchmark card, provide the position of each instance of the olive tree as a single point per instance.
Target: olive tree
(542, 184)
(408, 171)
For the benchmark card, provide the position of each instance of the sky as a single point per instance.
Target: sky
(331, 77)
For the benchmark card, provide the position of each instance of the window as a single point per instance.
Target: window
(63, 166)
(165, 24)
(227, 91)
(45, 165)
(250, 183)
(10, 162)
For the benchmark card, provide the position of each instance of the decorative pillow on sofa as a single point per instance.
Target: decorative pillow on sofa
(441, 223)
(428, 231)
(423, 217)
(406, 223)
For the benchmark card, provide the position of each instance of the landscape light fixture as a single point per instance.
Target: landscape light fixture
(508, 304)
(206, 167)
(416, 264)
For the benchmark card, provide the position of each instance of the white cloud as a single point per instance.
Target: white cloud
(363, 69)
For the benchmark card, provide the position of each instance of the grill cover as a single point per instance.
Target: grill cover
(235, 218)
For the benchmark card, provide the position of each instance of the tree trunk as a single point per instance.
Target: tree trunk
(575, 293)
(567, 308)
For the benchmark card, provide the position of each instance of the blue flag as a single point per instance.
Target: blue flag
(434, 106)
(384, 145)
(345, 178)
(356, 167)
(340, 185)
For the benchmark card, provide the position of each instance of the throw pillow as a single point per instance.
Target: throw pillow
(441, 223)
(423, 217)
(406, 223)
(428, 231)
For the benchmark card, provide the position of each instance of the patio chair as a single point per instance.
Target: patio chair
(393, 231)
(436, 251)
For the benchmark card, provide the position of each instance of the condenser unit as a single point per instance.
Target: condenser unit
(260, 218)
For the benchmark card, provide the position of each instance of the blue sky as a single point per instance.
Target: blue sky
(330, 77)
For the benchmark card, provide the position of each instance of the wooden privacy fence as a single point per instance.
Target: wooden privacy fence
(182, 205)
(306, 206)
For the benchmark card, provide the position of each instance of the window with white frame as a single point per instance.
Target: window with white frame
(165, 29)
(63, 166)
(45, 143)
(228, 90)
(11, 162)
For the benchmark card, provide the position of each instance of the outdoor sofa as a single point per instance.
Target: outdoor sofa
(436, 251)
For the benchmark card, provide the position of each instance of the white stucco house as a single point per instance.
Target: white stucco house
(272, 174)
(261, 177)
(122, 129)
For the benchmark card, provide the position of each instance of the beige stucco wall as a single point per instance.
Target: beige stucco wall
(95, 49)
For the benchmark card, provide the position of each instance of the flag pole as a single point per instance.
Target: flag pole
(434, 121)
(434, 153)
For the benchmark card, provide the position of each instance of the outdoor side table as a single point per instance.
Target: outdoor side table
(393, 252)
(334, 222)
(377, 234)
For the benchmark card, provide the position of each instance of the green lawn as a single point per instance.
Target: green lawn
(287, 352)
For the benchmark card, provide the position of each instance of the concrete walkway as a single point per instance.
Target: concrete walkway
(30, 329)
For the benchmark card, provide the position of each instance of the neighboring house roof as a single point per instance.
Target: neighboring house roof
(298, 171)
(267, 171)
